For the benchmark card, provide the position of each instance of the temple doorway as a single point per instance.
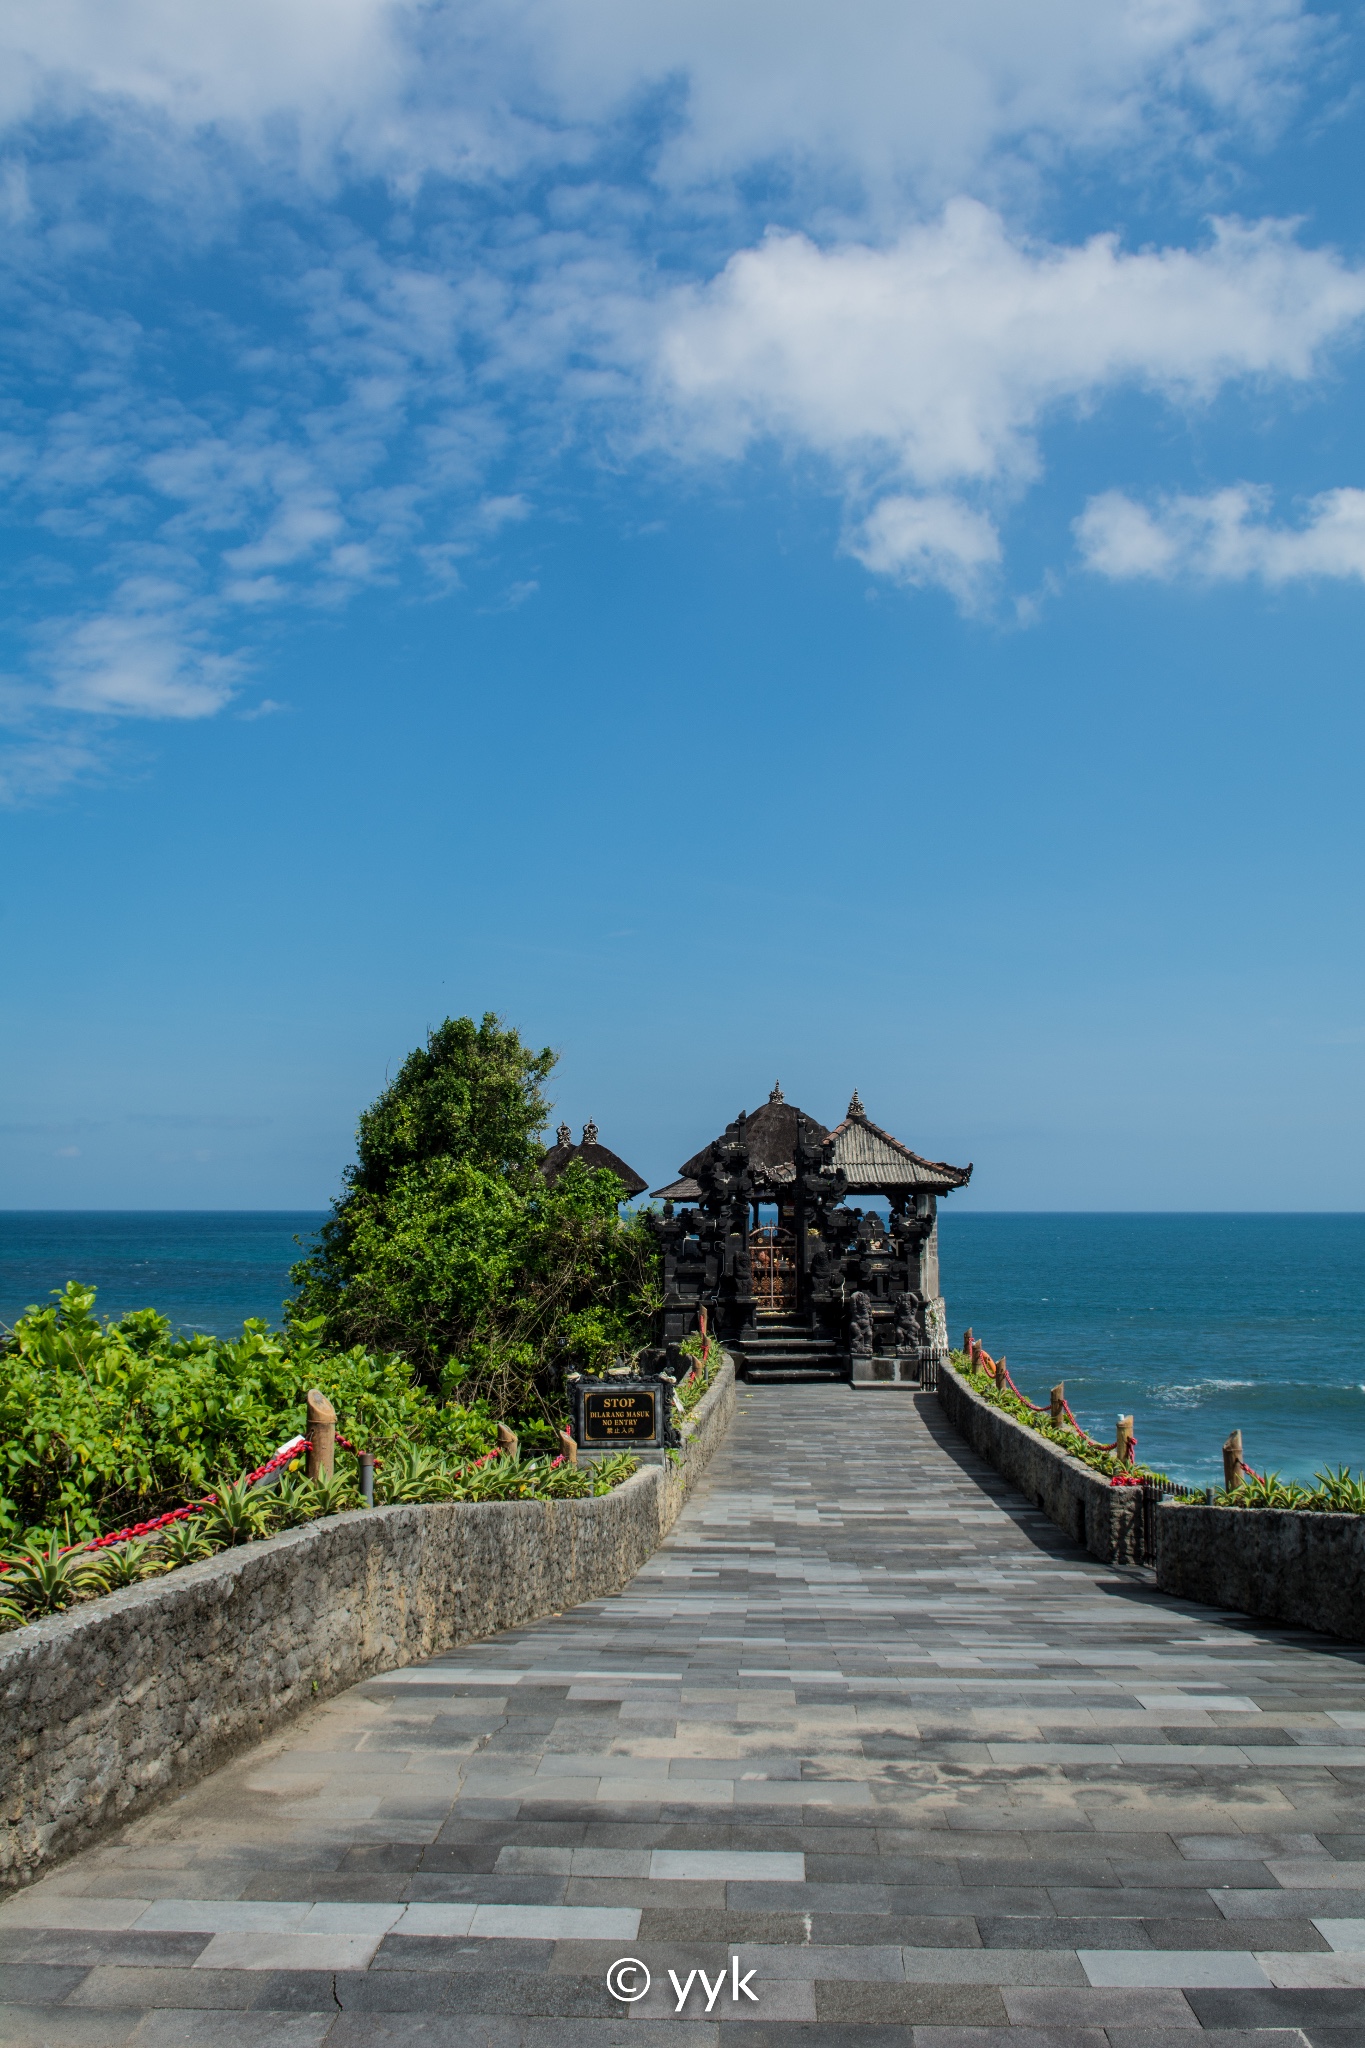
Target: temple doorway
(772, 1257)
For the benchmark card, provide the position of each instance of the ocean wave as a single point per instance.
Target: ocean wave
(1204, 1387)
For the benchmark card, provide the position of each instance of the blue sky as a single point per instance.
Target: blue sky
(809, 542)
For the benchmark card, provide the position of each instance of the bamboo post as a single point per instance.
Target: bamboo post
(1232, 1461)
(1123, 1440)
(1057, 1403)
(322, 1435)
(967, 1344)
(508, 1441)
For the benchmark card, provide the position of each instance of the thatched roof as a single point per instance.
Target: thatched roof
(591, 1154)
(874, 1161)
(770, 1134)
(877, 1163)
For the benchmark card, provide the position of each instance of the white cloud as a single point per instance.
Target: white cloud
(143, 659)
(928, 540)
(941, 355)
(1225, 536)
(895, 91)
(935, 362)
(396, 378)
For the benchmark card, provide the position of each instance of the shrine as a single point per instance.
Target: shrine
(798, 1285)
(591, 1153)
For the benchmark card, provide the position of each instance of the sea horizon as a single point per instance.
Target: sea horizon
(1196, 1321)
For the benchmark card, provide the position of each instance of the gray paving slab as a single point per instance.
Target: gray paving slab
(867, 1730)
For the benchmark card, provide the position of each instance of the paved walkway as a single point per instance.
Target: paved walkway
(867, 1747)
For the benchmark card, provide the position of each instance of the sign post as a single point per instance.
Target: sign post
(620, 1414)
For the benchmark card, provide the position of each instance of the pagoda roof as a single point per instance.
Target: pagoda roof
(874, 1161)
(770, 1134)
(592, 1154)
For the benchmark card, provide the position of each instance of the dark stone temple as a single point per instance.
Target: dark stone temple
(797, 1283)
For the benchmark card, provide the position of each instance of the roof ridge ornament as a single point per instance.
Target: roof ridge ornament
(855, 1106)
(590, 1133)
(777, 1095)
(564, 1136)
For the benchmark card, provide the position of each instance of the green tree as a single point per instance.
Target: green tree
(447, 1246)
(471, 1095)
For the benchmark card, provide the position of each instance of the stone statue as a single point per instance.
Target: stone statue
(860, 1325)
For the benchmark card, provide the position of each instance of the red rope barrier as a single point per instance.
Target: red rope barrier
(998, 1370)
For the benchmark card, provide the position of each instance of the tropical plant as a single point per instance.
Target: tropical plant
(1338, 1493)
(334, 1496)
(107, 1423)
(184, 1542)
(409, 1473)
(127, 1564)
(45, 1579)
(238, 1514)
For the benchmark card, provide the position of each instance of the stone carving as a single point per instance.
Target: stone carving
(909, 1323)
(936, 1329)
(860, 1326)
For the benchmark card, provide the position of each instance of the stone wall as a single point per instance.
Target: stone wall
(111, 1706)
(1105, 1518)
(1303, 1568)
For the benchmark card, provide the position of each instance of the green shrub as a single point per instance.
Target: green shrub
(108, 1423)
(447, 1246)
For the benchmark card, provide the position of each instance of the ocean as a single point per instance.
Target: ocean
(206, 1270)
(1193, 1324)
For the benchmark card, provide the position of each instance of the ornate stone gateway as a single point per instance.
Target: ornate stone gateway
(829, 1291)
(772, 1254)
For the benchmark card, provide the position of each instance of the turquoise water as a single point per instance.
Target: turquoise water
(204, 1271)
(1194, 1324)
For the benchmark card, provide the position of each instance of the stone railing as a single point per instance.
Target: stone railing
(1106, 1519)
(1279, 1563)
(114, 1704)
(1282, 1563)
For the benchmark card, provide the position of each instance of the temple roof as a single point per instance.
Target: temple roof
(770, 1134)
(876, 1162)
(591, 1154)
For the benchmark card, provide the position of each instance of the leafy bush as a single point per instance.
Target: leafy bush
(447, 1246)
(106, 1423)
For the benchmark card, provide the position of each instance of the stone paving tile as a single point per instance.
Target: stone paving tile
(867, 1727)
